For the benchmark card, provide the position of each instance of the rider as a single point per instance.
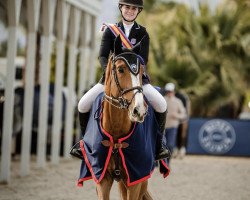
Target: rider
(135, 33)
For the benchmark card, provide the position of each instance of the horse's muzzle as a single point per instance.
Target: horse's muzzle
(138, 114)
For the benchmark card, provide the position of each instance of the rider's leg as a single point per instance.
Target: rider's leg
(161, 151)
(83, 119)
(159, 104)
(85, 105)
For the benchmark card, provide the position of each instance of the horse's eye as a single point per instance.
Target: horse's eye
(120, 69)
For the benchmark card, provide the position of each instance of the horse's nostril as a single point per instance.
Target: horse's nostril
(135, 111)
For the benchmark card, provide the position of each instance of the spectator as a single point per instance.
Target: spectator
(183, 127)
(176, 113)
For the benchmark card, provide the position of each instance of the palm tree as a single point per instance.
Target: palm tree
(205, 55)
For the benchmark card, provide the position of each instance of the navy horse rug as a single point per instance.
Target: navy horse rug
(138, 159)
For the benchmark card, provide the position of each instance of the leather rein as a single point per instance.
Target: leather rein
(121, 102)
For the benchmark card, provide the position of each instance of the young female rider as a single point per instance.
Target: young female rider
(135, 33)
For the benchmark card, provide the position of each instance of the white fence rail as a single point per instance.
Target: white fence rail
(66, 23)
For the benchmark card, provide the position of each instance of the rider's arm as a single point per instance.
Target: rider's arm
(105, 48)
(145, 48)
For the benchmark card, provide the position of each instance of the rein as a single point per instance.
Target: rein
(121, 102)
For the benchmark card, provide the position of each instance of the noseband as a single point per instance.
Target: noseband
(134, 67)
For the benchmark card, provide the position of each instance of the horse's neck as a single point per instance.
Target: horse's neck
(115, 121)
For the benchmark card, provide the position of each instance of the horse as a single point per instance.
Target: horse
(122, 107)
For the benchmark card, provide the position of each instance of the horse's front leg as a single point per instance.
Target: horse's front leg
(104, 187)
(139, 192)
(123, 190)
(134, 192)
(145, 194)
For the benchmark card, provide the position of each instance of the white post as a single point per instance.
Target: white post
(84, 59)
(71, 98)
(85, 54)
(48, 12)
(85, 38)
(62, 26)
(13, 11)
(33, 11)
(93, 51)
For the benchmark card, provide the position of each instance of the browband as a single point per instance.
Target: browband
(131, 59)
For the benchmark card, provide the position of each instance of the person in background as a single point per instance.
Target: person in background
(176, 114)
(180, 151)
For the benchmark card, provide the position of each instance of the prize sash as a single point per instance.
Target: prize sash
(117, 31)
(125, 41)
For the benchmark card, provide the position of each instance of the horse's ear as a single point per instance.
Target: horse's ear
(137, 48)
(118, 45)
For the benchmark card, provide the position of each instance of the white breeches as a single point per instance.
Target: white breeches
(155, 99)
(89, 97)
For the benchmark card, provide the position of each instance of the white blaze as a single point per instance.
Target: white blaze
(139, 101)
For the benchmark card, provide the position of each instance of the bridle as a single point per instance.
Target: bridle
(119, 101)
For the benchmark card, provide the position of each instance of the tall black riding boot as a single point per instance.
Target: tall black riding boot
(83, 119)
(161, 152)
(76, 149)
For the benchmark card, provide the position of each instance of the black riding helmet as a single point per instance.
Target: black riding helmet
(136, 3)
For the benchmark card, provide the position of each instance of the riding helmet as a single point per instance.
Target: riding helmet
(137, 3)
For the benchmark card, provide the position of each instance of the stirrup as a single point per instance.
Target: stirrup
(76, 151)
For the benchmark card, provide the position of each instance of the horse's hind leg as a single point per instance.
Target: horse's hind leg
(104, 187)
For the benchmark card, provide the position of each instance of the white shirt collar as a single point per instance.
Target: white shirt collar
(127, 28)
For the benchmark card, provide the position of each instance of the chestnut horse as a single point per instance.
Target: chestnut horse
(124, 104)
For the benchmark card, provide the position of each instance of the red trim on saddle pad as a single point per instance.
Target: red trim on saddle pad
(129, 183)
(80, 181)
(166, 166)
(89, 165)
